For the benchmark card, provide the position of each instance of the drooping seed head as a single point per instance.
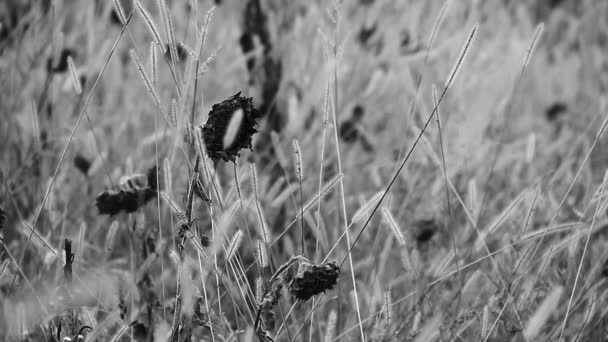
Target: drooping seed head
(312, 279)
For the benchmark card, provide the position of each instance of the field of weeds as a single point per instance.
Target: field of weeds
(266, 170)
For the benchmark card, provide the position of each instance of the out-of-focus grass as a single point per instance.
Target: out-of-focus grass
(523, 187)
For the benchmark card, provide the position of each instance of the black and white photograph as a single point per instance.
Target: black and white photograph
(303, 171)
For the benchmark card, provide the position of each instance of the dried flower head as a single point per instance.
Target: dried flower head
(112, 202)
(314, 279)
(216, 126)
(131, 194)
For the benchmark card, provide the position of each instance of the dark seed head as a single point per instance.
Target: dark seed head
(128, 199)
(425, 230)
(205, 241)
(112, 202)
(312, 279)
(555, 111)
(82, 163)
(366, 33)
(358, 112)
(216, 126)
(348, 131)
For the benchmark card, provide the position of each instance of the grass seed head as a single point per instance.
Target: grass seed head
(216, 126)
(298, 159)
(262, 254)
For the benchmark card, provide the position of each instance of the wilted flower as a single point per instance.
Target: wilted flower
(114, 201)
(314, 279)
(130, 196)
(216, 127)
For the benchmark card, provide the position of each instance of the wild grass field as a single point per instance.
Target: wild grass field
(266, 170)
